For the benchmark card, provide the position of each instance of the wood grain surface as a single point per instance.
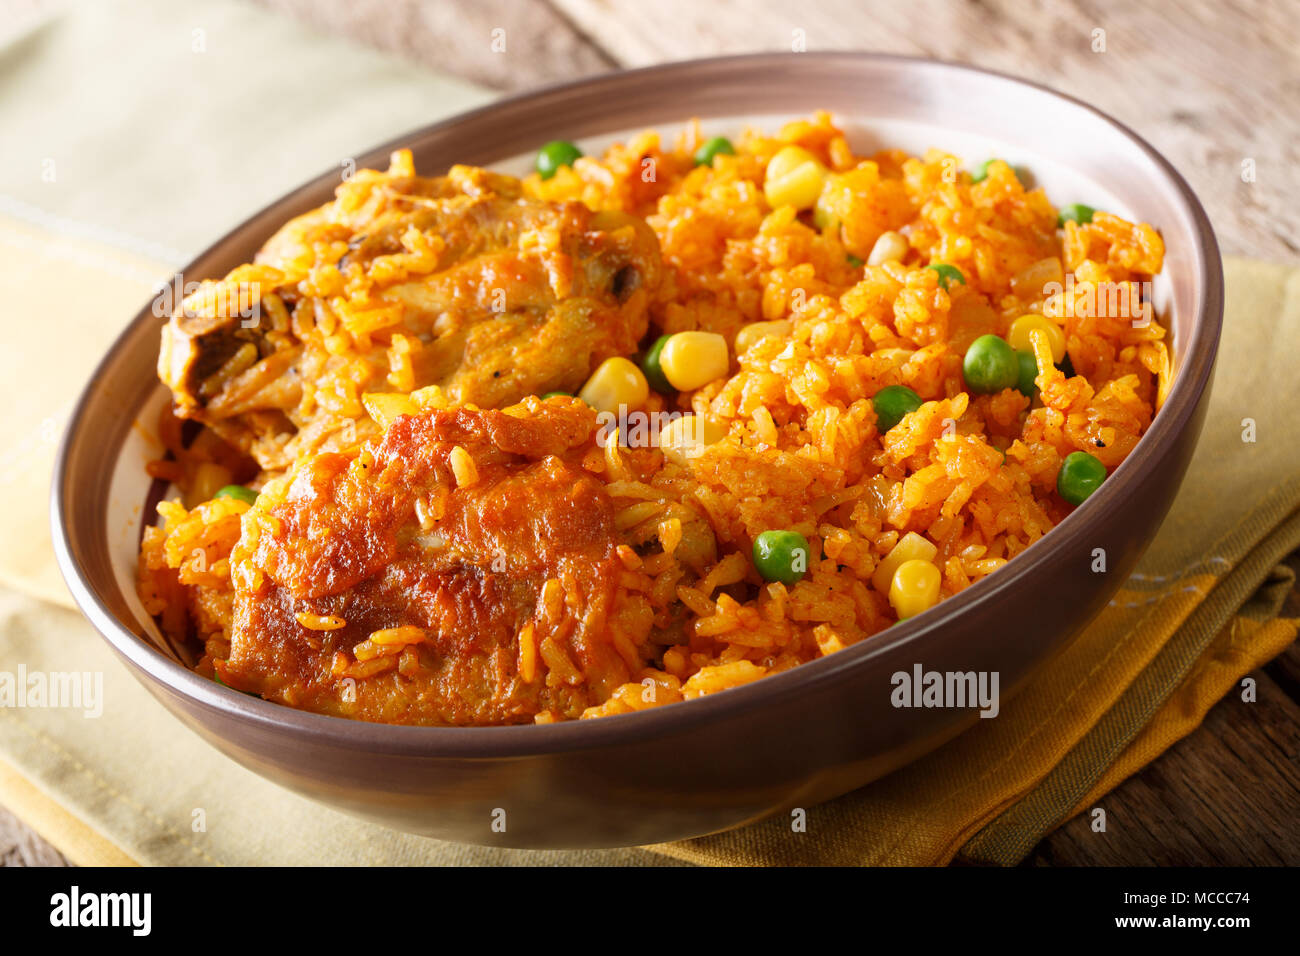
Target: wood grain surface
(1212, 85)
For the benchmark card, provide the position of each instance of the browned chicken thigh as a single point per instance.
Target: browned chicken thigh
(466, 285)
(464, 569)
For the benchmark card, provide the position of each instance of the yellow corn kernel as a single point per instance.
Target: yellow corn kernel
(750, 335)
(787, 159)
(824, 215)
(692, 359)
(1018, 335)
(684, 438)
(385, 407)
(890, 247)
(794, 178)
(910, 547)
(462, 467)
(915, 588)
(616, 382)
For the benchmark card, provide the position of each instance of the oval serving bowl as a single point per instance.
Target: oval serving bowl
(791, 739)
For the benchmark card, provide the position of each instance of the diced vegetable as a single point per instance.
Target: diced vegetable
(947, 274)
(1081, 474)
(616, 383)
(890, 247)
(717, 146)
(914, 588)
(794, 178)
(692, 359)
(238, 492)
(1075, 212)
(990, 365)
(1018, 335)
(893, 402)
(781, 556)
(556, 153)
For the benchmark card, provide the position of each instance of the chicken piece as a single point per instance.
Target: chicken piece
(471, 565)
(405, 282)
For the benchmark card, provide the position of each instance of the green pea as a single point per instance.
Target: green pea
(1028, 372)
(981, 172)
(1080, 475)
(653, 367)
(1075, 212)
(246, 495)
(990, 365)
(556, 153)
(718, 145)
(781, 556)
(556, 394)
(854, 261)
(893, 402)
(947, 274)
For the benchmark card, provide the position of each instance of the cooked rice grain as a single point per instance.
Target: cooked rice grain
(817, 337)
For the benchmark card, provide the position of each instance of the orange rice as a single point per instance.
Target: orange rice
(820, 333)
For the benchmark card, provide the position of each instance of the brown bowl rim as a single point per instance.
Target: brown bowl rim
(533, 739)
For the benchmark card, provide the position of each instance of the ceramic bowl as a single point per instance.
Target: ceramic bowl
(791, 739)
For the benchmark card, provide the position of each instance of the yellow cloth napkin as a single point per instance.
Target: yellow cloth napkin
(128, 785)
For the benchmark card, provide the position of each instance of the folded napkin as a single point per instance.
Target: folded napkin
(82, 252)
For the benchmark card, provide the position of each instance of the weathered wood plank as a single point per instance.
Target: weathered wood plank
(1209, 84)
(20, 845)
(1229, 794)
(456, 37)
(1259, 740)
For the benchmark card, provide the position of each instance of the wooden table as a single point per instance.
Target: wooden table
(1210, 84)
